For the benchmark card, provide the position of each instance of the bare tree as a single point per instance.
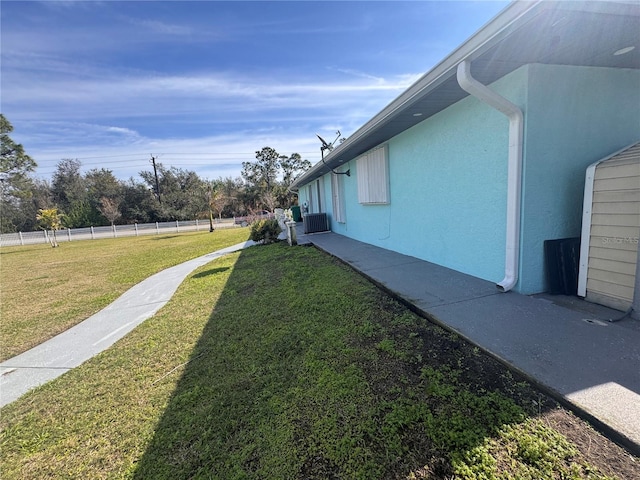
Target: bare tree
(269, 200)
(110, 208)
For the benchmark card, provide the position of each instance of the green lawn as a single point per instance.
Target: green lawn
(45, 291)
(280, 362)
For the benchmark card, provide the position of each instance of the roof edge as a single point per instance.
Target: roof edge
(482, 39)
(491, 33)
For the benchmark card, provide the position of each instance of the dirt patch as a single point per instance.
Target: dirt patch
(417, 347)
(596, 449)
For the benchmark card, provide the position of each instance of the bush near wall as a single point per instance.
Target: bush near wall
(265, 231)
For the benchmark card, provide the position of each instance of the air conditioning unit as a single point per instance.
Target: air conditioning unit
(315, 222)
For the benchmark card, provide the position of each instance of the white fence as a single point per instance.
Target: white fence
(92, 233)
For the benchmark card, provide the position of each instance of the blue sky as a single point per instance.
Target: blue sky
(203, 85)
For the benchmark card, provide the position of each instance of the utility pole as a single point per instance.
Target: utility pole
(155, 172)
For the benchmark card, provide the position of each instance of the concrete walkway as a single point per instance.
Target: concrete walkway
(81, 342)
(563, 344)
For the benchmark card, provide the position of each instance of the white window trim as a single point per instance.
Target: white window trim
(337, 197)
(316, 196)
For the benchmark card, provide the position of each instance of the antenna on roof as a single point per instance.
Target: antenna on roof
(325, 145)
(329, 146)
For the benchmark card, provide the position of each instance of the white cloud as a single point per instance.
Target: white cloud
(82, 84)
(144, 94)
(93, 117)
(156, 26)
(356, 73)
(126, 132)
(100, 115)
(210, 156)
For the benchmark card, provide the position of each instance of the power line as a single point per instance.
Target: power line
(50, 170)
(239, 157)
(173, 153)
(171, 159)
(143, 163)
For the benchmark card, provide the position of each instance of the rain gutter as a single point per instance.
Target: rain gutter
(514, 171)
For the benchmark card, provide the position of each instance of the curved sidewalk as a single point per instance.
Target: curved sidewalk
(81, 342)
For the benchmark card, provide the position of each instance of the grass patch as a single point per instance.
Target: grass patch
(47, 290)
(280, 362)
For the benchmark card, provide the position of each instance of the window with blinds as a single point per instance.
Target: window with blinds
(373, 176)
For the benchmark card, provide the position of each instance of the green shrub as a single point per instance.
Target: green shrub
(265, 230)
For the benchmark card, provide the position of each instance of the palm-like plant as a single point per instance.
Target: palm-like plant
(50, 219)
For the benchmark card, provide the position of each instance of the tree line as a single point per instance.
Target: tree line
(167, 193)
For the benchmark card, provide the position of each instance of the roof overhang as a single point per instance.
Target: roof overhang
(586, 33)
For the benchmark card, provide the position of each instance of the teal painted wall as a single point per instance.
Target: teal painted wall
(575, 116)
(448, 189)
(448, 173)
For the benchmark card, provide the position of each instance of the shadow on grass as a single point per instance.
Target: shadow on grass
(164, 237)
(306, 370)
(211, 271)
(10, 249)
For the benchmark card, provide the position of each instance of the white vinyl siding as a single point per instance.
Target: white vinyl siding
(337, 194)
(373, 176)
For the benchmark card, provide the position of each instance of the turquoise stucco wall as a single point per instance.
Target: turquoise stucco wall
(326, 206)
(448, 173)
(575, 116)
(448, 189)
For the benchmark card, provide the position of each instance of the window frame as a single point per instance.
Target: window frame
(373, 177)
(337, 198)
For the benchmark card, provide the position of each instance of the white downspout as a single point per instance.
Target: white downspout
(514, 172)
